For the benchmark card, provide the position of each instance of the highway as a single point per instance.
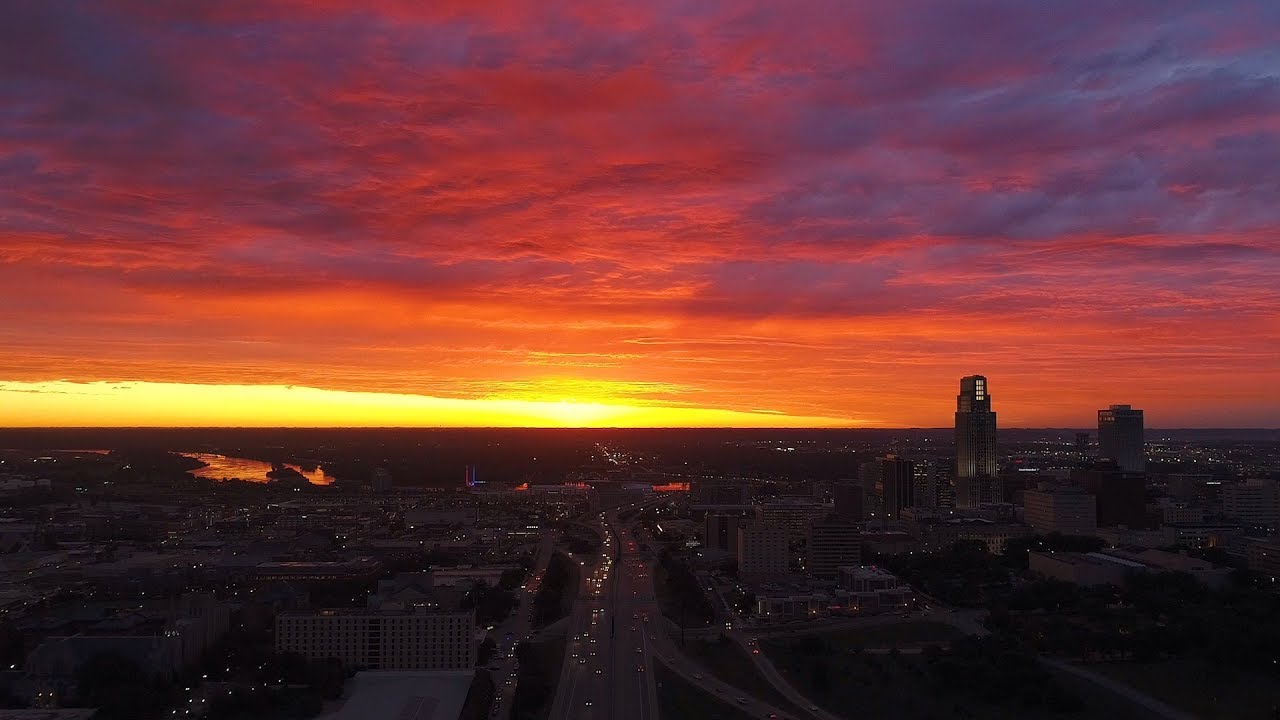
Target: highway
(608, 668)
(616, 635)
(581, 691)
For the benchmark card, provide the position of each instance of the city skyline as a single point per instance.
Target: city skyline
(637, 214)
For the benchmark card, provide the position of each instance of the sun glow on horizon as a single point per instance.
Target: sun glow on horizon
(146, 404)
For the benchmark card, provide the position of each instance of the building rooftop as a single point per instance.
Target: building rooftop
(406, 696)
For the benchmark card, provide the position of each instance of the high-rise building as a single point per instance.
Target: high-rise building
(722, 532)
(1069, 511)
(1120, 438)
(382, 482)
(890, 482)
(932, 483)
(976, 459)
(832, 544)
(762, 551)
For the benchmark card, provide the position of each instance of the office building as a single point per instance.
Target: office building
(890, 484)
(381, 481)
(976, 459)
(924, 490)
(721, 532)
(833, 543)
(793, 514)
(408, 639)
(763, 551)
(848, 496)
(1253, 502)
(1121, 495)
(1082, 442)
(1069, 511)
(1120, 438)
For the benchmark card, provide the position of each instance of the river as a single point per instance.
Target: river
(222, 467)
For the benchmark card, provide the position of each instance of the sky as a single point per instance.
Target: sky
(722, 212)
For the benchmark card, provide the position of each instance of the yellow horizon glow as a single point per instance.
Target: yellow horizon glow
(147, 404)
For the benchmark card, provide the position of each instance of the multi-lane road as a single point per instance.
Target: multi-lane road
(615, 637)
(607, 671)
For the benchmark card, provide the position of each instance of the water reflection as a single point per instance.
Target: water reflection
(221, 467)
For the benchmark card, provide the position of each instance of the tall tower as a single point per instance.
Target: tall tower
(1120, 438)
(976, 466)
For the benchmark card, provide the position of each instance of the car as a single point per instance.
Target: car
(638, 650)
(697, 676)
(742, 701)
(582, 661)
(653, 637)
(599, 671)
(587, 703)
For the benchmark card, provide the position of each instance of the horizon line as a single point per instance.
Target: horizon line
(827, 428)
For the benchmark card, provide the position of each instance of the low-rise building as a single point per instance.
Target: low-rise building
(873, 589)
(1087, 569)
(1253, 502)
(1264, 559)
(1065, 510)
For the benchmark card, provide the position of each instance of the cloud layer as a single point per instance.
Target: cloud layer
(821, 208)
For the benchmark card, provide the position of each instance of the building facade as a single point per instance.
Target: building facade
(1069, 511)
(762, 551)
(1120, 438)
(1122, 495)
(976, 455)
(414, 639)
(1253, 502)
(849, 500)
(833, 543)
(721, 532)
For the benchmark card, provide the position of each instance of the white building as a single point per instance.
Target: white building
(414, 639)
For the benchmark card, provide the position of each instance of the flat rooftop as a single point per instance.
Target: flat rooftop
(393, 695)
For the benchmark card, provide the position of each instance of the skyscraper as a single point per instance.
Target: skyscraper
(976, 465)
(1120, 438)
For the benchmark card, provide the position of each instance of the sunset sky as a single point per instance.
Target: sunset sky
(811, 212)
